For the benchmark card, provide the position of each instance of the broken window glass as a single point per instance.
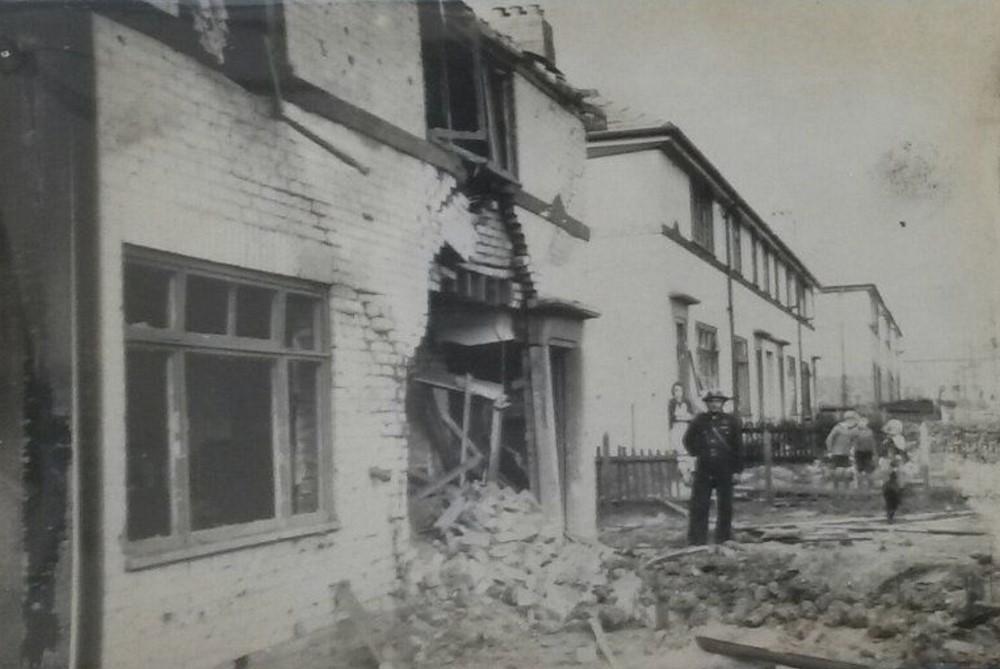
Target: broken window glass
(253, 312)
(146, 444)
(304, 425)
(207, 305)
(300, 322)
(230, 439)
(147, 296)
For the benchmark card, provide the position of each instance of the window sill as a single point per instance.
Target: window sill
(139, 557)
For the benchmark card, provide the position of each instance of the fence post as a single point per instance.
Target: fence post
(925, 458)
(768, 459)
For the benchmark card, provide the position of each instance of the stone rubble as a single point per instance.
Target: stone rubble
(495, 546)
(751, 588)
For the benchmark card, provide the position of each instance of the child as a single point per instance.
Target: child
(864, 454)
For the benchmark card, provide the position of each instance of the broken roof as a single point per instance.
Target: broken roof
(536, 69)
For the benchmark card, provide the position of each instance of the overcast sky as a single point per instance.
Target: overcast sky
(836, 121)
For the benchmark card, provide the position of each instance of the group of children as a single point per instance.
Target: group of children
(854, 454)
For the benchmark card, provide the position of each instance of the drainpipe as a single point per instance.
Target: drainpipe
(729, 309)
(798, 372)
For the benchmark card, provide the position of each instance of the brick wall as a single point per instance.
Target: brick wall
(365, 52)
(192, 164)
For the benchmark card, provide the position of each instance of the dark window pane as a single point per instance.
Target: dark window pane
(229, 435)
(146, 444)
(146, 295)
(300, 322)
(303, 423)
(253, 312)
(207, 301)
(463, 86)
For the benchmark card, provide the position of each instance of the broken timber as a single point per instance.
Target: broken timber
(602, 642)
(471, 463)
(747, 652)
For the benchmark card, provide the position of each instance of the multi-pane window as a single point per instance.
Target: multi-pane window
(702, 230)
(792, 385)
(708, 355)
(741, 359)
(735, 245)
(469, 97)
(777, 279)
(753, 255)
(226, 372)
(767, 269)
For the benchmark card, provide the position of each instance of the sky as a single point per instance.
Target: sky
(836, 121)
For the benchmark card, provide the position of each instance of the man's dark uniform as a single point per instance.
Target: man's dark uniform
(714, 438)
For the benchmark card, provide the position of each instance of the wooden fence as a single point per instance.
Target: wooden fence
(636, 476)
(790, 443)
(649, 476)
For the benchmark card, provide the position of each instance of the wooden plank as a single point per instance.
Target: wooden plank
(496, 428)
(471, 463)
(756, 653)
(466, 417)
(675, 507)
(488, 389)
(602, 642)
(914, 518)
(690, 550)
(441, 402)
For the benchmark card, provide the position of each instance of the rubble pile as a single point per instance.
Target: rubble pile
(927, 612)
(494, 545)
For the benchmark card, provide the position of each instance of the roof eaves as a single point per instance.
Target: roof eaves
(672, 132)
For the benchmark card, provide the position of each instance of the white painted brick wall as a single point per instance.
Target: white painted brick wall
(551, 148)
(192, 164)
(364, 51)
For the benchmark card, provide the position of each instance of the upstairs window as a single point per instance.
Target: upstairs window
(736, 250)
(708, 355)
(777, 279)
(226, 372)
(469, 97)
(702, 230)
(767, 270)
(754, 250)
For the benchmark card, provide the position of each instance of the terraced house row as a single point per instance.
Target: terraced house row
(272, 271)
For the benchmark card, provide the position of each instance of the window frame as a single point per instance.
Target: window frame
(184, 542)
(736, 254)
(486, 69)
(702, 215)
(766, 257)
(711, 355)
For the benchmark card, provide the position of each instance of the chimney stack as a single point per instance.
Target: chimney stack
(527, 27)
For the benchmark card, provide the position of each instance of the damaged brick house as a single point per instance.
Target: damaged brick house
(722, 300)
(245, 247)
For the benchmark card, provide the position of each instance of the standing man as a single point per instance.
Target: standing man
(714, 439)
